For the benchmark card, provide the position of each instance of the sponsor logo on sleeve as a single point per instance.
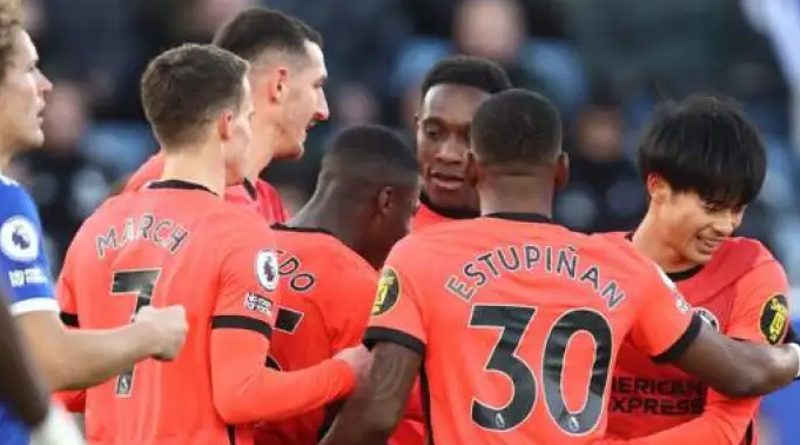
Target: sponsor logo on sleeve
(19, 239)
(258, 303)
(388, 292)
(775, 319)
(267, 269)
(22, 277)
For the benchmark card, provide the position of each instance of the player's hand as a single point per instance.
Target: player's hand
(170, 326)
(358, 357)
(58, 428)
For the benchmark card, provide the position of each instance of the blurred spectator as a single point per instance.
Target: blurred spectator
(65, 184)
(94, 43)
(497, 30)
(362, 38)
(652, 50)
(605, 192)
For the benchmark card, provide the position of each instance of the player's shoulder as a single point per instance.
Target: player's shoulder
(320, 247)
(14, 197)
(615, 250)
(742, 249)
(220, 215)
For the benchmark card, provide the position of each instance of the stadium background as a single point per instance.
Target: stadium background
(604, 62)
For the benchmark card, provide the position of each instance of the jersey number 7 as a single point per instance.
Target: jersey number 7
(514, 321)
(140, 282)
(288, 321)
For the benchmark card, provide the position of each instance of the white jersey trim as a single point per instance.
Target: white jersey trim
(34, 305)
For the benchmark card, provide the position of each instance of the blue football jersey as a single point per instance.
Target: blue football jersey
(24, 275)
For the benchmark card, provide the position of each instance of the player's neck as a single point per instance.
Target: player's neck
(651, 239)
(6, 153)
(517, 194)
(198, 165)
(260, 154)
(325, 211)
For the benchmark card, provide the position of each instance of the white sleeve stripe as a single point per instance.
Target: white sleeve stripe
(34, 305)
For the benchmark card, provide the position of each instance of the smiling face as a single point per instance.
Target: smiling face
(443, 143)
(694, 228)
(306, 104)
(22, 93)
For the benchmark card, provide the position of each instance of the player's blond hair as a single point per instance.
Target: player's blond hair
(9, 21)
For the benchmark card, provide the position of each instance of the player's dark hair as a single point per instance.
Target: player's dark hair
(370, 155)
(469, 71)
(256, 30)
(185, 87)
(705, 145)
(516, 129)
(9, 23)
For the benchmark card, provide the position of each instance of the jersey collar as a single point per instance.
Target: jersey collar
(522, 216)
(447, 212)
(179, 185)
(286, 228)
(675, 276)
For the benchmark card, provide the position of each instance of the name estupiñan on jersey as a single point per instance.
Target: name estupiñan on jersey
(562, 261)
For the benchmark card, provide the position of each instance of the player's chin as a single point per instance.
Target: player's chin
(701, 254)
(35, 139)
(444, 197)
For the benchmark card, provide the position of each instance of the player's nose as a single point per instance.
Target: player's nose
(451, 151)
(323, 112)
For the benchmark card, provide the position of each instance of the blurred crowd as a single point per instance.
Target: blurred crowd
(605, 63)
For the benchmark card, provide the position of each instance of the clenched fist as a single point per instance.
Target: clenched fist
(170, 327)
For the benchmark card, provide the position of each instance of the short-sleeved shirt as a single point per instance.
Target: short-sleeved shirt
(326, 295)
(430, 214)
(519, 322)
(24, 274)
(741, 292)
(171, 243)
(261, 196)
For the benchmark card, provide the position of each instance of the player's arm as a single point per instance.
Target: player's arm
(25, 395)
(734, 368)
(67, 359)
(77, 359)
(759, 314)
(379, 401)
(18, 383)
(244, 389)
(397, 337)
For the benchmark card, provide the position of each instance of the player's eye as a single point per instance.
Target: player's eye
(432, 132)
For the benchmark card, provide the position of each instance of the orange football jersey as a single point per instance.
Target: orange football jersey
(326, 294)
(177, 243)
(741, 292)
(428, 214)
(261, 196)
(519, 322)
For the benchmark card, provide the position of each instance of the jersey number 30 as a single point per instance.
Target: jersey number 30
(141, 283)
(514, 321)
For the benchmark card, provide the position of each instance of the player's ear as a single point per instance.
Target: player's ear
(657, 188)
(384, 200)
(225, 125)
(277, 84)
(562, 170)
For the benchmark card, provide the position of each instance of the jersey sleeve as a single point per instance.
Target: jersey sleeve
(724, 421)
(398, 311)
(24, 268)
(761, 309)
(245, 390)
(663, 326)
(346, 323)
